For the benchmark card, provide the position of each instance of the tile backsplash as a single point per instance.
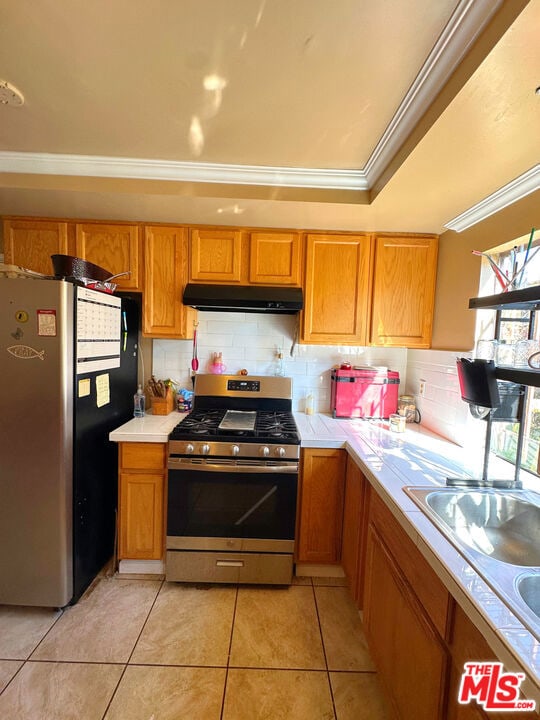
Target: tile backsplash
(441, 406)
(251, 341)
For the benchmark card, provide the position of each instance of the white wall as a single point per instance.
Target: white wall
(250, 341)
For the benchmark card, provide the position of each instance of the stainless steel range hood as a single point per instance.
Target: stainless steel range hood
(244, 298)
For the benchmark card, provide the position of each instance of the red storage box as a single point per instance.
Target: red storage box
(365, 393)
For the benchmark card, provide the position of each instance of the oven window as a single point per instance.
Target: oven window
(246, 505)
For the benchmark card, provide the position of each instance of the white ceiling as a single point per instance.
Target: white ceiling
(349, 94)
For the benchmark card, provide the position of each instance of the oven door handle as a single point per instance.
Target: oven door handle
(209, 466)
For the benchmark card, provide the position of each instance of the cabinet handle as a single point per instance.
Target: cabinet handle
(229, 563)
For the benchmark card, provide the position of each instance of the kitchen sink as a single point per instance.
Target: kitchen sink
(498, 533)
(495, 523)
(528, 587)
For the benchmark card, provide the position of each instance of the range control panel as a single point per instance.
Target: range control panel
(244, 385)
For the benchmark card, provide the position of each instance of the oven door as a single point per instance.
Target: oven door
(233, 505)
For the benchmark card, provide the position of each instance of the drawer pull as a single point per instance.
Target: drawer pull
(229, 563)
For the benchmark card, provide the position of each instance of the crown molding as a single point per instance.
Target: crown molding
(176, 171)
(515, 190)
(466, 23)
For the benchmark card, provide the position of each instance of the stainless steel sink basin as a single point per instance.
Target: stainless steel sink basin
(494, 523)
(498, 533)
(528, 587)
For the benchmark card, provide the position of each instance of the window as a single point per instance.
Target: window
(519, 264)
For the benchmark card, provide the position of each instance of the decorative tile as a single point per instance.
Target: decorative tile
(59, 691)
(330, 581)
(276, 628)
(277, 695)
(8, 668)
(22, 628)
(168, 693)
(188, 625)
(343, 635)
(104, 625)
(357, 696)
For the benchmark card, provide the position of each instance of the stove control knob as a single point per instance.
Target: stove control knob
(205, 449)
(235, 449)
(265, 451)
(280, 452)
(190, 448)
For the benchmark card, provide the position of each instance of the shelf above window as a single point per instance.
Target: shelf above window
(524, 299)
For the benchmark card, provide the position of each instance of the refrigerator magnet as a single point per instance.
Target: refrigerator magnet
(46, 323)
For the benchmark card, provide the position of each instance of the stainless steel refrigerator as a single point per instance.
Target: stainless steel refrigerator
(68, 372)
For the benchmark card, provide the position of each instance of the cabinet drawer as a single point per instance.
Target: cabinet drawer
(431, 593)
(143, 456)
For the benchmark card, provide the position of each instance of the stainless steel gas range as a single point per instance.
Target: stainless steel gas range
(232, 483)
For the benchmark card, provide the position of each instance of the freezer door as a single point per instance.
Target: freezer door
(36, 371)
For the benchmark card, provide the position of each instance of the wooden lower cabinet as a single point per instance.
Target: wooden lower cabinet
(468, 644)
(407, 647)
(322, 486)
(353, 545)
(141, 499)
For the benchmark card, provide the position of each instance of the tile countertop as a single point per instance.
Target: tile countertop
(390, 461)
(418, 457)
(150, 428)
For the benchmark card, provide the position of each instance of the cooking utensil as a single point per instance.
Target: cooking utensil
(69, 266)
(195, 359)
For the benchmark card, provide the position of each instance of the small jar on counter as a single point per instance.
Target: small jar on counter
(407, 408)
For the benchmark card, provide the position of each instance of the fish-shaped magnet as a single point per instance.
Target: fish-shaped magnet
(25, 352)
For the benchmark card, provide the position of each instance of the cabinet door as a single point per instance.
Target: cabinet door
(114, 247)
(165, 263)
(141, 516)
(410, 658)
(30, 243)
(403, 291)
(274, 258)
(354, 530)
(216, 256)
(321, 506)
(468, 644)
(337, 289)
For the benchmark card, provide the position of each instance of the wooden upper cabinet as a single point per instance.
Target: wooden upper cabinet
(321, 506)
(275, 258)
(165, 262)
(114, 247)
(216, 256)
(337, 285)
(30, 243)
(403, 291)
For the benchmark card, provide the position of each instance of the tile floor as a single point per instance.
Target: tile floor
(139, 649)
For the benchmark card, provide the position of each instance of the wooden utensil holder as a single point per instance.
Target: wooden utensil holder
(163, 406)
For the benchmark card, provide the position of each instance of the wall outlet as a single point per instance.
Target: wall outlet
(422, 388)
